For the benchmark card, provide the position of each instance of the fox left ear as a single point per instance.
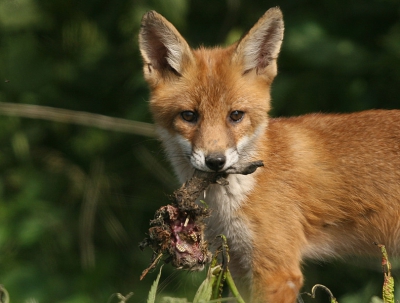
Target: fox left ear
(258, 50)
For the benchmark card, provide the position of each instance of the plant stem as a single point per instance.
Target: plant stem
(232, 287)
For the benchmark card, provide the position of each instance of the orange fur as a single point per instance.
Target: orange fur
(330, 185)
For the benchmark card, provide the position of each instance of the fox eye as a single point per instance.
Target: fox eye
(236, 115)
(189, 116)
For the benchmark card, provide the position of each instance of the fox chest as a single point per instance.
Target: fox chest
(227, 219)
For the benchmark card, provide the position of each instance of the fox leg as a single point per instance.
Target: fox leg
(281, 285)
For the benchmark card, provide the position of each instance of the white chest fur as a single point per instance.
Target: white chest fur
(225, 203)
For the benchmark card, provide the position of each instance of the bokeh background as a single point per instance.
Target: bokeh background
(76, 200)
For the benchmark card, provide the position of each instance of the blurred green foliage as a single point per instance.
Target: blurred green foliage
(75, 201)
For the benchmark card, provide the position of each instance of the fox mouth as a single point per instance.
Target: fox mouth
(239, 168)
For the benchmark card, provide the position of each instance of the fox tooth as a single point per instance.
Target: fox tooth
(180, 247)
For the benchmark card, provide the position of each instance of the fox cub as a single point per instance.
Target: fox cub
(330, 185)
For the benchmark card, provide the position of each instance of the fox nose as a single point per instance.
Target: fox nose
(215, 161)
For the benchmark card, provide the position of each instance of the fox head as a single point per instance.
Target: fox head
(210, 105)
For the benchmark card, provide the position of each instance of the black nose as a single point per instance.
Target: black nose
(215, 161)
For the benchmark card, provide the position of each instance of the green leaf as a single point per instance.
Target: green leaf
(376, 299)
(153, 289)
(203, 294)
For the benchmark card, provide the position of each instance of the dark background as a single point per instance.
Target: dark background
(75, 201)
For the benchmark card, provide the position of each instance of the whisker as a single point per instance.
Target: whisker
(168, 280)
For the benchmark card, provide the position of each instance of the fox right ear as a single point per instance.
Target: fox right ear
(163, 49)
(258, 50)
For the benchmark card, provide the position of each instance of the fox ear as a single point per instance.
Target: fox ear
(259, 48)
(163, 49)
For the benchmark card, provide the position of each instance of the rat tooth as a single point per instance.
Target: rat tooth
(180, 247)
(194, 237)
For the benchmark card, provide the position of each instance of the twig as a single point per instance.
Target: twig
(152, 265)
(314, 289)
(77, 117)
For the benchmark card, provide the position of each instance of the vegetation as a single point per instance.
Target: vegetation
(211, 289)
(76, 200)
